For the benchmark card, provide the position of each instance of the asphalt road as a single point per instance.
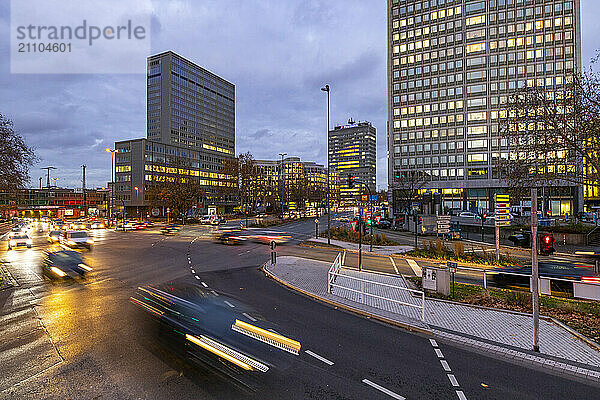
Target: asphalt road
(84, 340)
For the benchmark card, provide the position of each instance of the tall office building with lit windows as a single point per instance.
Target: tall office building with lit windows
(451, 67)
(190, 132)
(353, 151)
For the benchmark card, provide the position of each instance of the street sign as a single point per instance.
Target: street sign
(377, 219)
(443, 223)
(414, 205)
(364, 197)
(353, 225)
(155, 212)
(316, 220)
(273, 244)
(452, 266)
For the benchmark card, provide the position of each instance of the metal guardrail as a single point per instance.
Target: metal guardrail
(334, 272)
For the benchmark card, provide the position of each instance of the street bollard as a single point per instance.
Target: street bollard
(484, 280)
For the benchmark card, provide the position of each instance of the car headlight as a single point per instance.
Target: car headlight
(57, 271)
(12, 243)
(89, 241)
(29, 241)
(101, 226)
(72, 243)
(86, 267)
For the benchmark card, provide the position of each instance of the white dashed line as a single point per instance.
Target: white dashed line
(438, 353)
(229, 304)
(197, 277)
(384, 390)
(193, 272)
(318, 357)
(394, 265)
(215, 293)
(250, 317)
(461, 395)
(453, 380)
(445, 365)
(433, 342)
(204, 284)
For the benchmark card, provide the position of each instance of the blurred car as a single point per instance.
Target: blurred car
(96, 225)
(205, 220)
(20, 240)
(77, 239)
(229, 237)
(384, 224)
(504, 276)
(149, 224)
(125, 225)
(170, 229)
(216, 220)
(139, 226)
(54, 236)
(267, 238)
(64, 264)
(217, 331)
(17, 230)
(75, 225)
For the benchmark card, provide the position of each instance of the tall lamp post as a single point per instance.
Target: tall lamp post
(112, 179)
(326, 89)
(282, 181)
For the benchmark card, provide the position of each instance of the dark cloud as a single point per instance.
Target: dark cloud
(277, 53)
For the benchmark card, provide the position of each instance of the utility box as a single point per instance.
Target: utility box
(436, 280)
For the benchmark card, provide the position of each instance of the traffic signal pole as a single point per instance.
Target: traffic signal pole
(535, 272)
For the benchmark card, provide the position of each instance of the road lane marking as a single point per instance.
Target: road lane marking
(453, 380)
(204, 284)
(433, 342)
(318, 357)
(394, 265)
(438, 353)
(384, 390)
(197, 277)
(445, 365)
(250, 317)
(229, 304)
(461, 395)
(414, 266)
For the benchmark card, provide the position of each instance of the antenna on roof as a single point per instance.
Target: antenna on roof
(350, 121)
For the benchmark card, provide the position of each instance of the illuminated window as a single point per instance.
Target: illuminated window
(475, 47)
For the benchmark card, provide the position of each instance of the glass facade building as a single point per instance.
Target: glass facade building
(451, 67)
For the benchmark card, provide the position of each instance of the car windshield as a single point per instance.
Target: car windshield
(20, 237)
(78, 235)
(55, 233)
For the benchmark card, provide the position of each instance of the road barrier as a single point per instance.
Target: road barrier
(335, 271)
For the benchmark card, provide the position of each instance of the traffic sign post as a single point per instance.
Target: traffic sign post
(452, 266)
(273, 245)
(316, 228)
(443, 224)
(502, 217)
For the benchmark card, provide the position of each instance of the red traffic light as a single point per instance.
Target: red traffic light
(548, 239)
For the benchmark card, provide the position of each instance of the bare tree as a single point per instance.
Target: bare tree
(15, 158)
(551, 135)
(406, 189)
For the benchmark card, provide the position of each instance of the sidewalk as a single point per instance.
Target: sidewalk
(381, 250)
(496, 333)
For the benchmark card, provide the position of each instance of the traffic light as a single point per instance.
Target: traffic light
(483, 217)
(547, 244)
(351, 181)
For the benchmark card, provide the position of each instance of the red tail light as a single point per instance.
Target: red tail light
(590, 279)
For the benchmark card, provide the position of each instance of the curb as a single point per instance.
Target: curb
(362, 313)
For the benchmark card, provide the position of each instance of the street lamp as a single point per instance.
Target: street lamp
(326, 89)
(112, 179)
(281, 179)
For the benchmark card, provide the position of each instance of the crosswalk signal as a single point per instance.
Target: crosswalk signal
(483, 217)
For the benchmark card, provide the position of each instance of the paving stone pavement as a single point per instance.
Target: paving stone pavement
(490, 330)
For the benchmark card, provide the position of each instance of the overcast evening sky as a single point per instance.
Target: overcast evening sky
(278, 53)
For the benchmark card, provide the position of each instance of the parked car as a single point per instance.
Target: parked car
(20, 240)
(384, 224)
(64, 264)
(467, 214)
